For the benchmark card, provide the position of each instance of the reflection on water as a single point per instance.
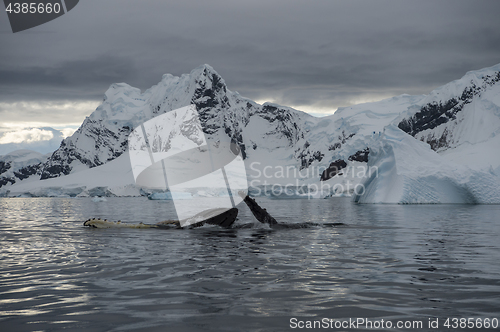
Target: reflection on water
(373, 261)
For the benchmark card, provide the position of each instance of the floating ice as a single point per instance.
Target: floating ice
(409, 172)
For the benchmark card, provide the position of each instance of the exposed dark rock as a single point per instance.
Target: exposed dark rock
(361, 156)
(237, 139)
(439, 142)
(345, 137)
(284, 122)
(342, 140)
(54, 171)
(104, 145)
(333, 169)
(334, 146)
(27, 171)
(20, 174)
(4, 166)
(435, 114)
(205, 97)
(5, 180)
(432, 115)
(307, 157)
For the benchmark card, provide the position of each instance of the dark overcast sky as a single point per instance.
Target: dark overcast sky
(313, 55)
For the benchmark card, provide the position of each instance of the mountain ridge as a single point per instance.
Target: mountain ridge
(271, 134)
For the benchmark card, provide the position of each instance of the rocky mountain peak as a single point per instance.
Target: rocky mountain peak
(103, 135)
(465, 111)
(447, 107)
(210, 88)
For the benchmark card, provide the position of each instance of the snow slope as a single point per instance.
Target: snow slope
(463, 112)
(111, 179)
(269, 135)
(430, 148)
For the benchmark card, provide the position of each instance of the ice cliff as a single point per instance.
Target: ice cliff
(410, 172)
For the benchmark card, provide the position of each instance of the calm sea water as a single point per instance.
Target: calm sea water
(391, 262)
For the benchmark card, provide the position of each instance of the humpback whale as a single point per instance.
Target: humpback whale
(220, 217)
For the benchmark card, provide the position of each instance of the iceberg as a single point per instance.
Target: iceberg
(410, 172)
(170, 196)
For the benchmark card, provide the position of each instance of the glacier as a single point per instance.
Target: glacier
(410, 172)
(435, 148)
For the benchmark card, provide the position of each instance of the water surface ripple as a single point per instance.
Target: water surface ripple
(396, 262)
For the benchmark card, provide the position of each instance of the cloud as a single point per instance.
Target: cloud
(66, 132)
(317, 55)
(43, 140)
(26, 135)
(45, 113)
(84, 79)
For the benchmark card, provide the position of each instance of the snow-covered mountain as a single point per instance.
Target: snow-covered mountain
(20, 165)
(460, 124)
(277, 142)
(103, 135)
(464, 111)
(268, 134)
